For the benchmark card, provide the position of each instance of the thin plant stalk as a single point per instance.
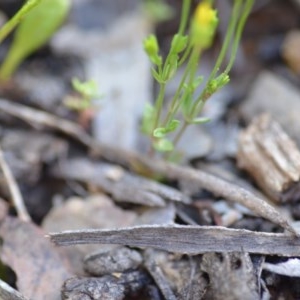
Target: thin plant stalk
(184, 16)
(231, 29)
(234, 24)
(240, 28)
(190, 71)
(159, 103)
(182, 27)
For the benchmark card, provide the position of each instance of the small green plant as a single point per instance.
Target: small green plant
(39, 20)
(186, 106)
(87, 93)
(158, 10)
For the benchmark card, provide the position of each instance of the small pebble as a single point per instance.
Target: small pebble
(115, 261)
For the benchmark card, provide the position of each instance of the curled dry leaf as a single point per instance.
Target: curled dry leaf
(38, 265)
(97, 211)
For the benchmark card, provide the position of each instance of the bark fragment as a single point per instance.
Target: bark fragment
(271, 157)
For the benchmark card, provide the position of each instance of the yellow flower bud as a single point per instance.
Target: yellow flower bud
(204, 25)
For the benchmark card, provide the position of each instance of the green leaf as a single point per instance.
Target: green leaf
(201, 120)
(88, 89)
(156, 75)
(148, 119)
(158, 10)
(151, 45)
(217, 83)
(10, 25)
(171, 68)
(186, 103)
(179, 43)
(151, 48)
(197, 81)
(222, 80)
(159, 132)
(34, 31)
(163, 145)
(173, 125)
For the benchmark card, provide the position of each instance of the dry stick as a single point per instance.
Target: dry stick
(15, 193)
(157, 274)
(8, 293)
(132, 160)
(185, 239)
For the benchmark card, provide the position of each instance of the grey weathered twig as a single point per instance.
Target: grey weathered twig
(186, 239)
(15, 193)
(8, 293)
(41, 118)
(158, 275)
(135, 161)
(118, 182)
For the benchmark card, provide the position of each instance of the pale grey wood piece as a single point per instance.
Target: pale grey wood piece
(271, 157)
(186, 239)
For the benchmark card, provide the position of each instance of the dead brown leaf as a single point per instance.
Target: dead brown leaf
(38, 265)
(97, 211)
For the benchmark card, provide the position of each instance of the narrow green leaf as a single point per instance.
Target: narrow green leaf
(34, 31)
(148, 119)
(163, 145)
(159, 132)
(179, 43)
(173, 125)
(88, 89)
(201, 120)
(198, 80)
(156, 75)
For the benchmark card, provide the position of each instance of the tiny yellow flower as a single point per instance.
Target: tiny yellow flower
(205, 15)
(204, 24)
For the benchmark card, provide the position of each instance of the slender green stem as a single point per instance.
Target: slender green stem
(184, 16)
(240, 27)
(229, 34)
(195, 56)
(177, 94)
(228, 37)
(190, 71)
(182, 26)
(185, 55)
(180, 133)
(183, 22)
(177, 138)
(17, 18)
(159, 104)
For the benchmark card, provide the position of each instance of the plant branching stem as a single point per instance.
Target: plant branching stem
(182, 26)
(190, 71)
(240, 27)
(229, 34)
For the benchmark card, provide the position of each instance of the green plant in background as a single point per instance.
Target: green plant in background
(88, 92)
(187, 48)
(6, 29)
(158, 10)
(41, 19)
